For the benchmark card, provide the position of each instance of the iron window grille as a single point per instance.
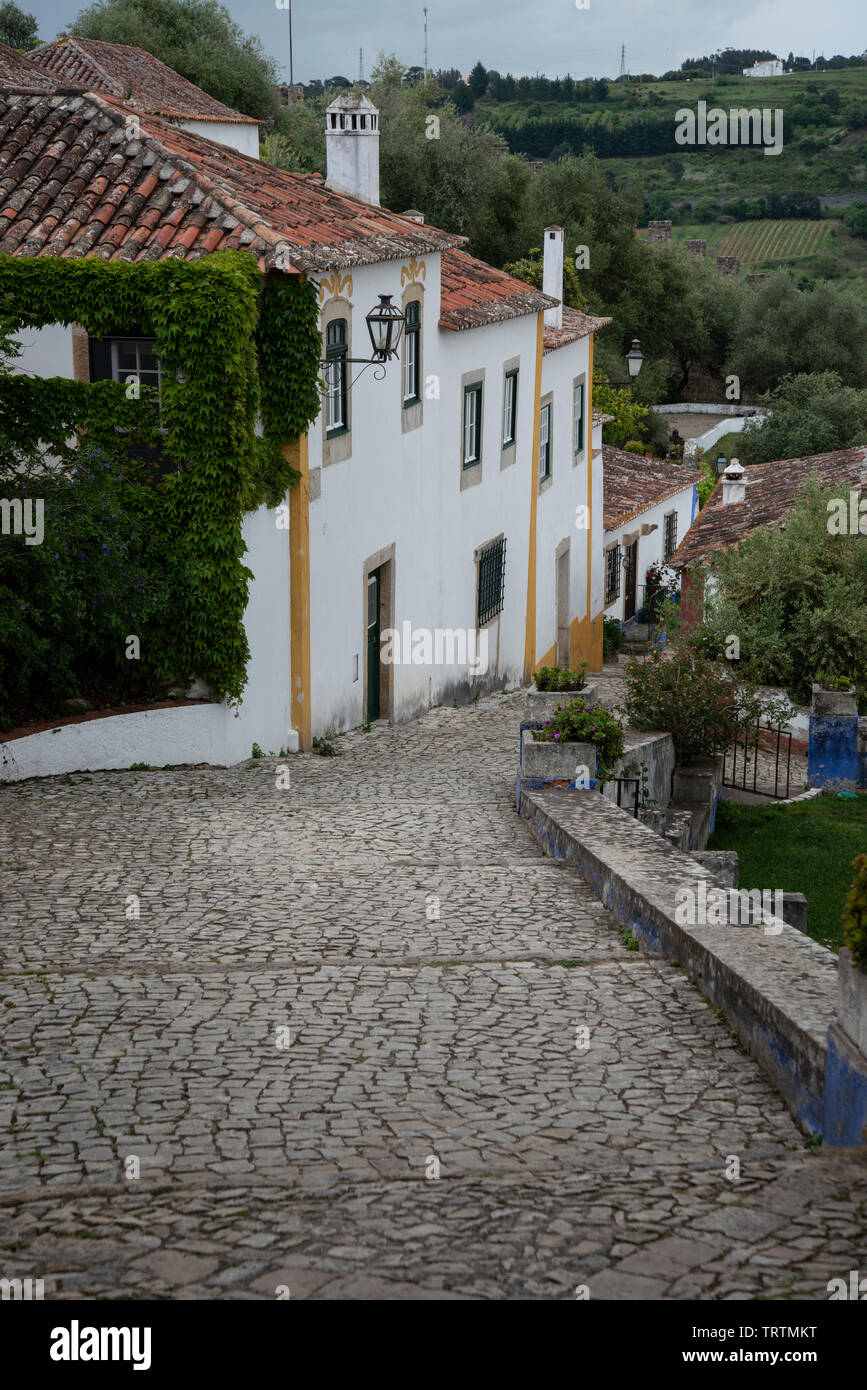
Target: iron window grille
(472, 424)
(510, 408)
(612, 574)
(411, 359)
(578, 418)
(545, 443)
(669, 544)
(336, 392)
(492, 580)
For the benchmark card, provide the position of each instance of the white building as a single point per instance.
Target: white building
(649, 507)
(145, 84)
(450, 502)
(769, 67)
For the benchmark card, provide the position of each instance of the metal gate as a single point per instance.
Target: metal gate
(769, 748)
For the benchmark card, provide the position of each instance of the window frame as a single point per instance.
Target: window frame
(474, 389)
(412, 334)
(336, 355)
(612, 554)
(511, 438)
(579, 421)
(669, 527)
(545, 414)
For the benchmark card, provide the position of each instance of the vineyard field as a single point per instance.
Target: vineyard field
(767, 240)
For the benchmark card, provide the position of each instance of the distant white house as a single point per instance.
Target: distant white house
(648, 507)
(770, 67)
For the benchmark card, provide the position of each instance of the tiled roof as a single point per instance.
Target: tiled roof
(575, 325)
(771, 492)
(631, 483)
(17, 71)
(474, 294)
(74, 183)
(134, 76)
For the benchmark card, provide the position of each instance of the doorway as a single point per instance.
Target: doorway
(563, 608)
(630, 555)
(374, 669)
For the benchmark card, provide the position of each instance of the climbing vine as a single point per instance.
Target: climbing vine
(234, 349)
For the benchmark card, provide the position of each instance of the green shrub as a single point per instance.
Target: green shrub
(854, 917)
(558, 678)
(106, 570)
(612, 638)
(580, 722)
(684, 693)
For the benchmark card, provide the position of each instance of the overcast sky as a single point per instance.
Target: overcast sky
(527, 36)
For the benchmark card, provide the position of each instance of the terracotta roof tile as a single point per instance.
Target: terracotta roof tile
(631, 483)
(474, 294)
(171, 191)
(771, 493)
(19, 72)
(134, 76)
(575, 325)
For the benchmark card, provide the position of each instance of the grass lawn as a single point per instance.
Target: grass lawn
(807, 847)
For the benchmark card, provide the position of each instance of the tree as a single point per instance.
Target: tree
(795, 596)
(199, 39)
(388, 70)
(17, 28)
(855, 219)
(811, 413)
(463, 99)
(478, 81)
(783, 330)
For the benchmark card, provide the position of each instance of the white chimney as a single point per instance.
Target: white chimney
(352, 147)
(552, 274)
(734, 489)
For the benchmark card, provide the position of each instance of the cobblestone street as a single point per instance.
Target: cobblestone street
(331, 990)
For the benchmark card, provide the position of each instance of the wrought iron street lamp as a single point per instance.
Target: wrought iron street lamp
(634, 359)
(385, 324)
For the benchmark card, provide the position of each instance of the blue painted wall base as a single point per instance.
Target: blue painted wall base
(832, 757)
(844, 1121)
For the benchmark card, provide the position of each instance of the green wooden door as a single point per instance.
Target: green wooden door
(373, 647)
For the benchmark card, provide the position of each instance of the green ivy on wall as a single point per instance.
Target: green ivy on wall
(234, 347)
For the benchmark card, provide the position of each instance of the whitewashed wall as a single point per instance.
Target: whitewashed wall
(46, 351)
(238, 135)
(405, 489)
(557, 503)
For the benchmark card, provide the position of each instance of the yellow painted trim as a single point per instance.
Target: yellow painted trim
(549, 659)
(593, 652)
(299, 593)
(530, 628)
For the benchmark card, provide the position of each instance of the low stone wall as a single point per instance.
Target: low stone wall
(546, 764)
(845, 1114)
(195, 733)
(777, 988)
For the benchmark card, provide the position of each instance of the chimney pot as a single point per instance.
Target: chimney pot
(352, 147)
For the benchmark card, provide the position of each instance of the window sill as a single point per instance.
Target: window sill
(545, 483)
(337, 433)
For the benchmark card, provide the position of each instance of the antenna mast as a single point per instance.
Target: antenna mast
(425, 41)
(623, 60)
(361, 64)
(291, 74)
